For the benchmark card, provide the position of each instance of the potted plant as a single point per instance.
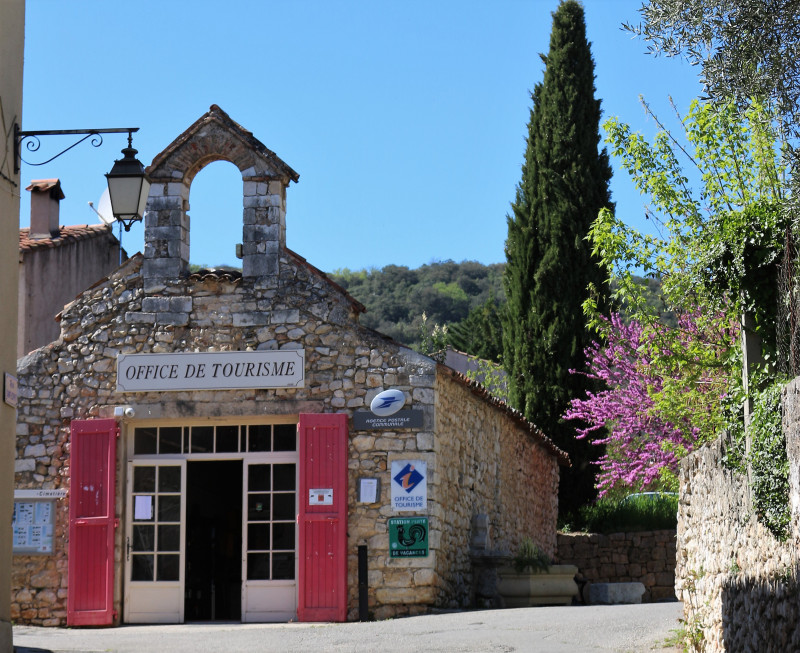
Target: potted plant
(532, 579)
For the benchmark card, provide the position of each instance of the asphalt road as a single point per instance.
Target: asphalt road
(573, 629)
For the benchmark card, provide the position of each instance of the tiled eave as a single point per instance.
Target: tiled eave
(482, 393)
(67, 234)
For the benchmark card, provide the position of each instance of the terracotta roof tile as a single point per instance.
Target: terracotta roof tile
(69, 234)
(43, 185)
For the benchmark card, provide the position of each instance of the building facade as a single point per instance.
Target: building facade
(201, 446)
(56, 263)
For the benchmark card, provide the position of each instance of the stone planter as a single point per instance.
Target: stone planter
(556, 586)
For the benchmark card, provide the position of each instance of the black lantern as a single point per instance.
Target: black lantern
(128, 187)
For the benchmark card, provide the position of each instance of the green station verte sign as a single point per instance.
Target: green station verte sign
(408, 537)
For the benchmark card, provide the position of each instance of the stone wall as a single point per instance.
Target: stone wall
(737, 582)
(647, 557)
(491, 463)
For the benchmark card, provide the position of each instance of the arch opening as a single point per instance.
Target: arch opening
(215, 216)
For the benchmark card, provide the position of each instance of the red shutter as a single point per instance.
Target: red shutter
(93, 467)
(322, 586)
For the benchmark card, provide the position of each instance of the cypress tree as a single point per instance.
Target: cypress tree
(565, 182)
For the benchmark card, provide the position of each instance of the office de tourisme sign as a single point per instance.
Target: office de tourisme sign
(217, 370)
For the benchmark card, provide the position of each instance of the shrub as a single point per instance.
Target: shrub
(630, 514)
(529, 556)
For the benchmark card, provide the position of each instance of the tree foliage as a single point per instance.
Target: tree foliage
(480, 333)
(396, 296)
(548, 261)
(746, 48)
(715, 248)
(716, 256)
(650, 414)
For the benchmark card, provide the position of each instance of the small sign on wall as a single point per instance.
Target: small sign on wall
(409, 485)
(32, 526)
(10, 389)
(369, 490)
(408, 537)
(320, 497)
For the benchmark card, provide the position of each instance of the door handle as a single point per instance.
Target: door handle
(127, 549)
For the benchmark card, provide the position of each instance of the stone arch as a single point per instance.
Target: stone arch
(215, 137)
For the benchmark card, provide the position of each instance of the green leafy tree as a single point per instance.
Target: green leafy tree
(717, 248)
(480, 333)
(745, 49)
(716, 254)
(395, 295)
(549, 264)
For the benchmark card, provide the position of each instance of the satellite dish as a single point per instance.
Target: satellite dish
(103, 209)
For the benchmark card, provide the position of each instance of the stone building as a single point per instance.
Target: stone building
(201, 446)
(56, 262)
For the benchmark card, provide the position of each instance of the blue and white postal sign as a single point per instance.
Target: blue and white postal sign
(409, 485)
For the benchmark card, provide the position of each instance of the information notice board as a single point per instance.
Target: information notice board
(32, 525)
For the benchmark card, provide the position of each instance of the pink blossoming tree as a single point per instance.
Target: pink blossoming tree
(661, 395)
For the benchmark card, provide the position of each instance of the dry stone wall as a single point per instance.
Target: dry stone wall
(646, 557)
(738, 583)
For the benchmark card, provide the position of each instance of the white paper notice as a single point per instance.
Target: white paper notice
(20, 536)
(369, 490)
(24, 513)
(143, 508)
(43, 512)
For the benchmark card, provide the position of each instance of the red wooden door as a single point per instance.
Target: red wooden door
(322, 519)
(93, 465)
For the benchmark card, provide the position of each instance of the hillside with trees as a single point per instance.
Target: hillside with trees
(396, 296)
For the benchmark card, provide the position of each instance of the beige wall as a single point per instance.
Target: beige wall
(12, 33)
(51, 277)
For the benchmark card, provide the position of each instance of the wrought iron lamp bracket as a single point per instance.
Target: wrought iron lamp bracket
(32, 143)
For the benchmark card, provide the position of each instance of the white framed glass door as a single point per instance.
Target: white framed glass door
(269, 525)
(155, 541)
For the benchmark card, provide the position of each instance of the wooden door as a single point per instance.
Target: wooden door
(322, 518)
(92, 521)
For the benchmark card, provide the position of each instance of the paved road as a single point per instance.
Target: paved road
(574, 629)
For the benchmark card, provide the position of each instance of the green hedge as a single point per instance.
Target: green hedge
(630, 514)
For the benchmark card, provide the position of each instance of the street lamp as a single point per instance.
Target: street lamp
(128, 187)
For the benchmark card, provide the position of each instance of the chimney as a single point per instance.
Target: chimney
(45, 197)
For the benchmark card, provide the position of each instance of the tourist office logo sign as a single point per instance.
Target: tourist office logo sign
(409, 485)
(219, 370)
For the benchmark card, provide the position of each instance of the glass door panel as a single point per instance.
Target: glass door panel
(154, 542)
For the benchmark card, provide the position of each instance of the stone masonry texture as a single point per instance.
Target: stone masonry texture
(646, 557)
(738, 583)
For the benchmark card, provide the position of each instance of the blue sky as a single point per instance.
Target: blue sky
(405, 120)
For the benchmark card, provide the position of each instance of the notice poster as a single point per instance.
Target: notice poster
(32, 526)
(143, 508)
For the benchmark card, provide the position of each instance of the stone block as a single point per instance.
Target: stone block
(174, 319)
(615, 593)
(28, 465)
(132, 317)
(155, 304)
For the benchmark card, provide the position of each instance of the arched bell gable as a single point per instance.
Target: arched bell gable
(214, 137)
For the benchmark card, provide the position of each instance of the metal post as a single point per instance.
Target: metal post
(363, 584)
